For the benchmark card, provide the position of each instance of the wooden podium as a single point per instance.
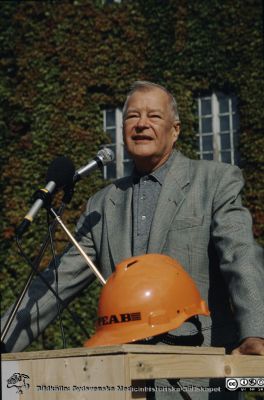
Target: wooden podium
(114, 372)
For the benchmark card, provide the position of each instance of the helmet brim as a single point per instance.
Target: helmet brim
(129, 333)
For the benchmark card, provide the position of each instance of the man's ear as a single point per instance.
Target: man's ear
(176, 129)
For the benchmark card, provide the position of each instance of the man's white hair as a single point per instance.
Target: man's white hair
(146, 85)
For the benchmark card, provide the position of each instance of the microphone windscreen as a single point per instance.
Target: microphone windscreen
(106, 155)
(61, 171)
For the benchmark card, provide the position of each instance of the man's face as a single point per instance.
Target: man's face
(149, 128)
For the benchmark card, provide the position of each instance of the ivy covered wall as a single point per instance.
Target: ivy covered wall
(63, 62)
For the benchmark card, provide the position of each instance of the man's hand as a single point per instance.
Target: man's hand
(250, 345)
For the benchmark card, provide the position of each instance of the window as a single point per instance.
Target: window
(122, 166)
(111, 1)
(218, 128)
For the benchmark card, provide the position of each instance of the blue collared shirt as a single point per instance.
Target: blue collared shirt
(146, 191)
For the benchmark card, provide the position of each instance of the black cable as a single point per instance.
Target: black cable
(36, 263)
(54, 261)
(44, 280)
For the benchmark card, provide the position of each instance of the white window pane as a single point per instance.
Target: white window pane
(112, 133)
(110, 118)
(226, 156)
(225, 141)
(237, 157)
(208, 156)
(206, 106)
(236, 139)
(224, 123)
(234, 103)
(128, 167)
(126, 154)
(207, 142)
(223, 105)
(111, 171)
(218, 135)
(113, 127)
(235, 122)
(206, 125)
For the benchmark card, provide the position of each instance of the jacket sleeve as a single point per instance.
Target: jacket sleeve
(241, 259)
(39, 308)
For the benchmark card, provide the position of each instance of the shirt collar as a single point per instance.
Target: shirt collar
(159, 174)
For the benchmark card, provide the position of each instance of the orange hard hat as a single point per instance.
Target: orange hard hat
(145, 296)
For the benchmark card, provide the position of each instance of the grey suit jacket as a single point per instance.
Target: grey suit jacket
(199, 220)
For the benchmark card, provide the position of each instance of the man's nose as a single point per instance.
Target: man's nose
(143, 122)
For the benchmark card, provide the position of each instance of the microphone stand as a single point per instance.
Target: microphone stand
(76, 244)
(36, 263)
(37, 260)
(104, 156)
(66, 199)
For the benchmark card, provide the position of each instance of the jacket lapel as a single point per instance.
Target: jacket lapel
(118, 213)
(171, 197)
(119, 220)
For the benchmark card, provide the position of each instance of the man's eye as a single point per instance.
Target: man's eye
(131, 116)
(155, 116)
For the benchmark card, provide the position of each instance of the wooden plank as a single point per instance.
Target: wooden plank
(77, 378)
(150, 366)
(129, 394)
(118, 349)
(165, 349)
(239, 366)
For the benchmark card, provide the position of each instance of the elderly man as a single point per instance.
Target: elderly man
(187, 209)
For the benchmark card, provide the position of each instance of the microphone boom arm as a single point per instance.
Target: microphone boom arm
(76, 244)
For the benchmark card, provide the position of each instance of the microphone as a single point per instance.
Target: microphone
(59, 175)
(103, 157)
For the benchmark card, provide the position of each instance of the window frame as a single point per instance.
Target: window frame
(117, 144)
(216, 132)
